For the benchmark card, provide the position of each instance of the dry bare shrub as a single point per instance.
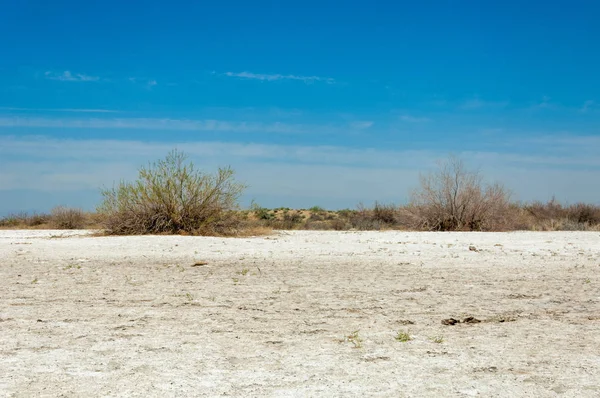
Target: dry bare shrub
(67, 218)
(171, 196)
(289, 220)
(38, 219)
(551, 210)
(317, 225)
(552, 216)
(339, 224)
(25, 220)
(584, 213)
(10, 221)
(385, 213)
(362, 219)
(454, 199)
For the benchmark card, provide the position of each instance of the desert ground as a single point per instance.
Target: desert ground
(300, 314)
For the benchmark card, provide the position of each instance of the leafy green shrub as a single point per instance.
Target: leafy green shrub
(171, 196)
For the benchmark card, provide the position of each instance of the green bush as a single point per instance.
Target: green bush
(171, 196)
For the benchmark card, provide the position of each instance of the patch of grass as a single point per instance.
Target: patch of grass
(235, 280)
(437, 339)
(34, 281)
(403, 337)
(244, 272)
(355, 339)
(72, 266)
(189, 296)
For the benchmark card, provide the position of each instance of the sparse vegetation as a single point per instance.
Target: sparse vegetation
(403, 337)
(437, 339)
(355, 339)
(456, 199)
(171, 196)
(67, 218)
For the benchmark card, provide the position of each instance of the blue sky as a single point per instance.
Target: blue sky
(313, 103)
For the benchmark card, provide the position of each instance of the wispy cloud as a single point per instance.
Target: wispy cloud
(414, 119)
(587, 106)
(361, 125)
(545, 103)
(162, 124)
(341, 175)
(275, 77)
(75, 110)
(145, 82)
(67, 76)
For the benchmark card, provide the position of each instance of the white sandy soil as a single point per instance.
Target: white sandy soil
(274, 316)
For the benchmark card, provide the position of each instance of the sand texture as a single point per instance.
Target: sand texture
(300, 314)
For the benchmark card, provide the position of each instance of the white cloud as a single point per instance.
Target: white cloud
(67, 76)
(274, 77)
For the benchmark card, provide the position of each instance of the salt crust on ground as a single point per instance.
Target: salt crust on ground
(84, 316)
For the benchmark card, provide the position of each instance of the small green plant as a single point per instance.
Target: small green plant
(403, 337)
(244, 272)
(437, 339)
(34, 281)
(355, 339)
(317, 209)
(262, 213)
(235, 280)
(189, 296)
(588, 280)
(72, 266)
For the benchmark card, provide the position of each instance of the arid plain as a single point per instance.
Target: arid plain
(299, 313)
